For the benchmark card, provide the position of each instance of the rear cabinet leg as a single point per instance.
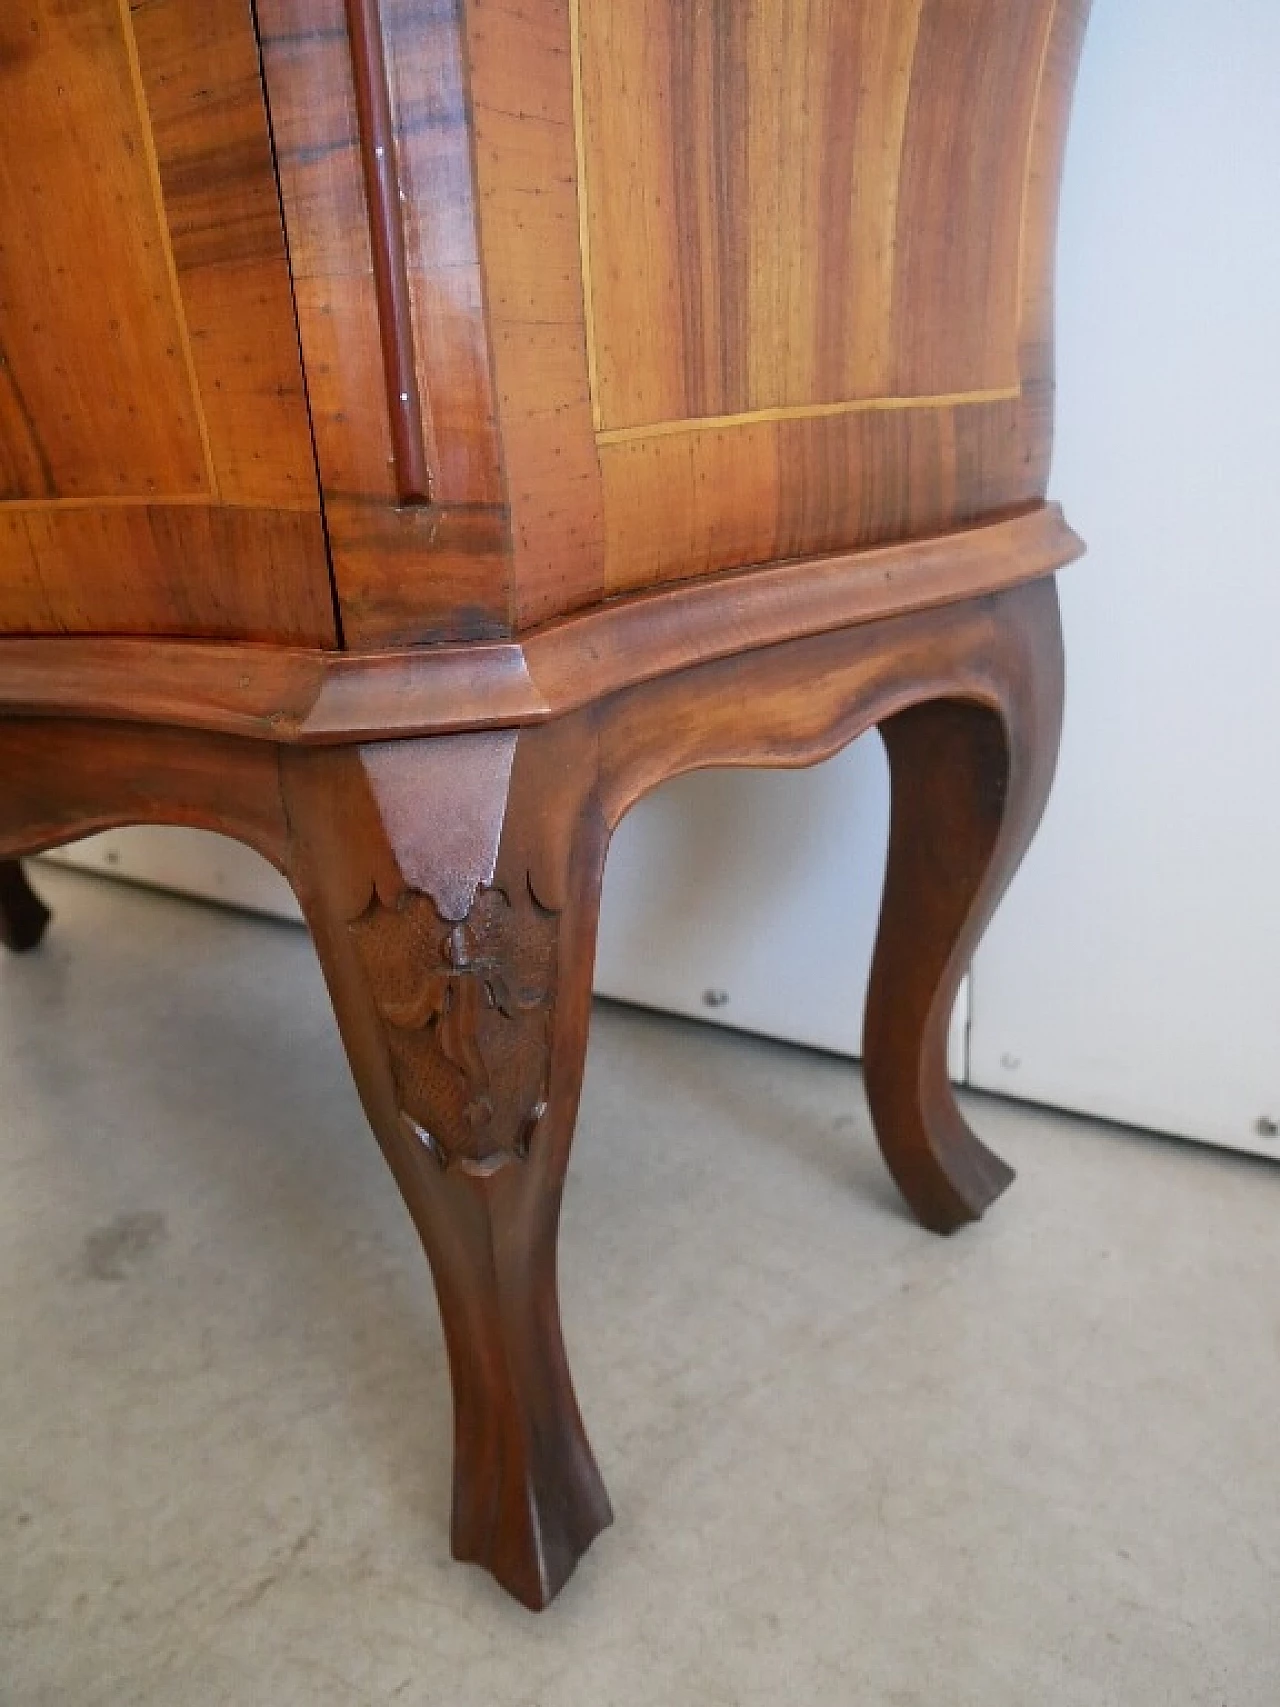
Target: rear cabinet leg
(452, 886)
(23, 916)
(970, 779)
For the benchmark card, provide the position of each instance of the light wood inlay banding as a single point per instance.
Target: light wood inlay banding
(166, 242)
(804, 412)
(584, 226)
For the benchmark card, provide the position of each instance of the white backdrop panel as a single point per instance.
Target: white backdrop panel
(1135, 970)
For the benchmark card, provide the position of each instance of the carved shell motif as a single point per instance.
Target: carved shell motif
(467, 1008)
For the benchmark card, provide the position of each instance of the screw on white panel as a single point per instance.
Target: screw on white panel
(1267, 1126)
(715, 998)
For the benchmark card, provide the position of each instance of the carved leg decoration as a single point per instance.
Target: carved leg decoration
(970, 781)
(452, 886)
(23, 916)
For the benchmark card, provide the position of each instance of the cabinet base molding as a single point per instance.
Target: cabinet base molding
(451, 882)
(311, 697)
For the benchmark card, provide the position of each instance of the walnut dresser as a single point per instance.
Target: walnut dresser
(428, 425)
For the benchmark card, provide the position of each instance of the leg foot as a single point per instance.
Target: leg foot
(970, 778)
(23, 916)
(528, 1499)
(452, 886)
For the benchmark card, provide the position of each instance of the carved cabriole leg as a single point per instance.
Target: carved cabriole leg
(452, 886)
(969, 698)
(970, 782)
(23, 915)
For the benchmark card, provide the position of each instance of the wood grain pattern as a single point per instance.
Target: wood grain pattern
(815, 237)
(201, 82)
(138, 569)
(635, 293)
(1061, 59)
(153, 424)
(403, 575)
(763, 489)
(98, 395)
(804, 203)
(314, 699)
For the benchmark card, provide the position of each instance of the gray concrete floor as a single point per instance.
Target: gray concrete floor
(1035, 1464)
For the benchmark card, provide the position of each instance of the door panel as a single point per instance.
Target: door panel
(156, 470)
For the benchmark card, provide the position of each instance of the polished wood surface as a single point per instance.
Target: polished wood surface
(156, 473)
(829, 195)
(310, 698)
(590, 297)
(703, 292)
(452, 886)
(813, 240)
(405, 570)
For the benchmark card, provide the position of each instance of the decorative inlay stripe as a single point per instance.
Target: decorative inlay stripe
(119, 501)
(584, 234)
(171, 265)
(805, 412)
(387, 244)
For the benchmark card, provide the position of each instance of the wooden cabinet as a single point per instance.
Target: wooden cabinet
(424, 428)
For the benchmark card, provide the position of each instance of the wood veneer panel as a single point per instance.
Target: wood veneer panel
(312, 697)
(164, 569)
(198, 61)
(405, 570)
(817, 243)
(156, 471)
(1060, 62)
(96, 390)
(522, 93)
(803, 202)
(958, 233)
(684, 504)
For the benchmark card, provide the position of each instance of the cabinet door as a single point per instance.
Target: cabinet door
(156, 468)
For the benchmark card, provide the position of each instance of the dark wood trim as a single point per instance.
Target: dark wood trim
(310, 698)
(387, 246)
